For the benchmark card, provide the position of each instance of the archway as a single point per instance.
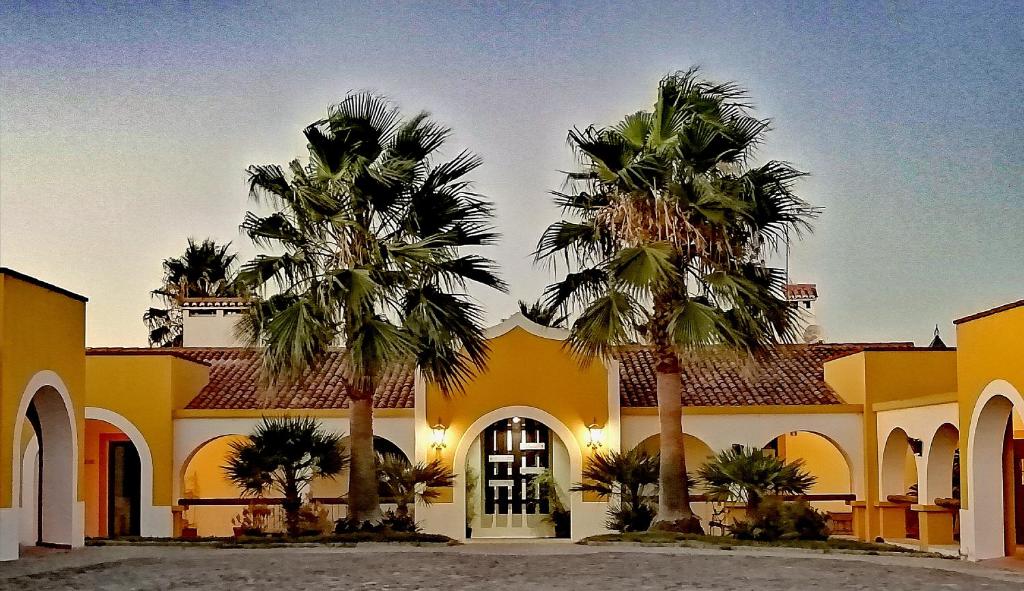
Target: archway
(587, 517)
(941, 480)
(898, 487)
(50, 505)
(899, 466)
(831, 467)
(522, 477)
(696, 452)
(337, 487)
(202, 477)
(995, 517)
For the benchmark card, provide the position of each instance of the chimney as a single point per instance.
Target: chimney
(805, 297)
(210, 322)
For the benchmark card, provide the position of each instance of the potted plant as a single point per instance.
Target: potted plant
(188, 531)
(252, 521)
(471, 483)
(558, 515)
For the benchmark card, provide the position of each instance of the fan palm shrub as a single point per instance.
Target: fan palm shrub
(748, 475)
(205, 269)
(366, 252)
(285, 455)
(668, 222)
(630, 477)
(409, 483)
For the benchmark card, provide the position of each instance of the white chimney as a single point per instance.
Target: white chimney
(210, 322)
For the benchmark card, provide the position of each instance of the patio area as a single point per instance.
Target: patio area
(482, 565)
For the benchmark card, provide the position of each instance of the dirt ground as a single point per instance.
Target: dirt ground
(492, 566)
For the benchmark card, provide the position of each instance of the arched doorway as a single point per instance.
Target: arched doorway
(831, 467)
(996, 478)
(113, 481)
(898, 486)
(518, 478)
(943, 471)
(46, 444)
(203, 478)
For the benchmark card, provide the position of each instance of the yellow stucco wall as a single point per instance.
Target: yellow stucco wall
(525, 370)
(146, 389)
(41, 328)
(989, 348)
(873, 377)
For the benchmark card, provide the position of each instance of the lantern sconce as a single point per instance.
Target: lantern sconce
(916, 446)
(438, 432)
(595, 434)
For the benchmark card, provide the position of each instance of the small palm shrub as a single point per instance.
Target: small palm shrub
(285, 455)
(748, 475)
(778, 520)
(629, 476)
(409, 483)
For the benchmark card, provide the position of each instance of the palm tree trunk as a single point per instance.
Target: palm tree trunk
(674, 512)
(363, 495)
(292, 504)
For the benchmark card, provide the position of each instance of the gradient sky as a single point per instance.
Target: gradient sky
(125, 130)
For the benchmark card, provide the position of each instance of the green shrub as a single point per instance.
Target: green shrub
(775, 520)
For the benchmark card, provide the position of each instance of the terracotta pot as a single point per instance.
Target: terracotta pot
(189, 533)
(239, 531)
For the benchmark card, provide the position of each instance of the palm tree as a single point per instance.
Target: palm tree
(668, 226)
(749, 474)
(366, 239)
(631, 475)
(409, 483)
(206, 269)
(285, 455)
(542, 314)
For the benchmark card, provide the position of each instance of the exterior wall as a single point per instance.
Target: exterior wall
(139, 394)
(42, 343)
(990, 366)
(885, 376)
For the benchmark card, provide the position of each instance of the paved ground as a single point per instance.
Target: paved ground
(490, 566)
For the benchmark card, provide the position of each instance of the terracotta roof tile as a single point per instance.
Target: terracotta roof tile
(791, 374)
(234, 381)
(801, 291)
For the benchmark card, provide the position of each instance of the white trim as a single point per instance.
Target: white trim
(517, 320)
(976, 544)
(9, 532)
(154, 521)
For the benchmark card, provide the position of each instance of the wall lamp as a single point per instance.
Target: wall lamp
(916, 446)
(438, 431)
(595, 435)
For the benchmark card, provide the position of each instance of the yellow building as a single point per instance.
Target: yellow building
(132, 440)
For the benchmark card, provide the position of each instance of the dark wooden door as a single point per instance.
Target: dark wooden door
(515, 451)
(124, 485)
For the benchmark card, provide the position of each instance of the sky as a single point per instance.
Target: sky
(126, 129)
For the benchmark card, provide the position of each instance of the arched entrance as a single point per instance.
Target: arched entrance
(203, 478)
(995, 480)
(47, 506)
(521, 477)
(113, 481)
(943, 473)
(898, 486)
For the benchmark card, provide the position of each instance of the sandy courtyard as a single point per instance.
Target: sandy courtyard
(490, 566)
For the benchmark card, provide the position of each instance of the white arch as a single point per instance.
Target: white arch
(893, 462)
(587, 518)
(938, 475)
(982, 527)
(835, 444)
(154, 521)
(70, 527)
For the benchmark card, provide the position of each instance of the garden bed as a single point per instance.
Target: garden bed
(728, 543)
(338, 540)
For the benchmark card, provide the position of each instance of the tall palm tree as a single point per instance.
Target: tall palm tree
(543, 314)
(205, 269)
(366, 241)
(668, 226)
(285, 455)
